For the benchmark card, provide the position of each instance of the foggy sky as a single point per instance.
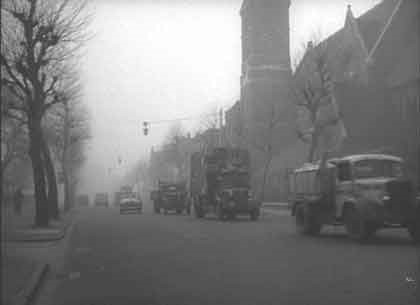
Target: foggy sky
(161, 59)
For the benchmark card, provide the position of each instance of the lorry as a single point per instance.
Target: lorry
(170, 196)
(219, 183)
(364, 192)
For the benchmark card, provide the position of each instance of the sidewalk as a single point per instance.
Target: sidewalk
(21, 227)
(27, 252)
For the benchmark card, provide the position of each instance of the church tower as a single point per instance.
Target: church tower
(265, 35)
(266, 71)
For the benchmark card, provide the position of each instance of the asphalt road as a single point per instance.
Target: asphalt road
(152, 259)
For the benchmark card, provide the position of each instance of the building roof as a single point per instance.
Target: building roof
(386, 38)
(372, 23)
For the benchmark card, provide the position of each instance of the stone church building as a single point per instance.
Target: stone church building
(374, 64)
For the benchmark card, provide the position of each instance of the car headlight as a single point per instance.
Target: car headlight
(386, 197)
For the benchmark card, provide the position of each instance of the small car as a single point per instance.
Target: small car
(101, 199)
(131, 204)
(83, 200)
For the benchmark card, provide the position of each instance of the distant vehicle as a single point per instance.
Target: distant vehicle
(83, 200)
(219, 183)
(101, 199)
(124, 192)
(131, 204)
(170, 197)
(364, 192)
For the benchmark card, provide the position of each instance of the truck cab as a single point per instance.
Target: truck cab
(170, 196)
(221, 184)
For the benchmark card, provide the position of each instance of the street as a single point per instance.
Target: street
(156, 259)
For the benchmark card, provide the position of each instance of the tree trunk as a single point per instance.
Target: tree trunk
(35, 153)
(265, 173)
(313, 147)
(67, 196)
(72, 193)
(65, 161)
(52, 195)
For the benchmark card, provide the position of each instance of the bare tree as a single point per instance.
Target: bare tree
(67, 131)
(38, 44)
(14, 141)
(210, 120)
(262, 133)
(319, 120)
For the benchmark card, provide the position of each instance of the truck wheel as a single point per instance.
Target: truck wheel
(231, 215)
(306, 220)
(220, 213)
(157, 210)
(198, 212)
(178, 211)
(414, 230)
(254, 214)
(357, 228)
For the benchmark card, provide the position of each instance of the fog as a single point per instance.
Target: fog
(157, 60)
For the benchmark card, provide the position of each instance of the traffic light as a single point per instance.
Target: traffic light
(145, 128)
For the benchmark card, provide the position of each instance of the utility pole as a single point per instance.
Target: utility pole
(221, 127)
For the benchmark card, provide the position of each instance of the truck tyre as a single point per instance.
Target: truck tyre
(306, 220)
(198, 212)
(157, 210)
(221, 215)
(254, 214)
(231, 215)
(414, 230)
(356, 226)
(178, 211)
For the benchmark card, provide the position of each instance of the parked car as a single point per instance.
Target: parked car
(101, 199)
(83, 200)
(131, 204)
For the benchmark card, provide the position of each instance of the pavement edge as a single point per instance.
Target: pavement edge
(29, 291)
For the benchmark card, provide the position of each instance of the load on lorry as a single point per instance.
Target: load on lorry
(219, 183)
(364, 192)
(170, 196)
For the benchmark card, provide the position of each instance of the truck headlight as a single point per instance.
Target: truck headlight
(386, 197)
